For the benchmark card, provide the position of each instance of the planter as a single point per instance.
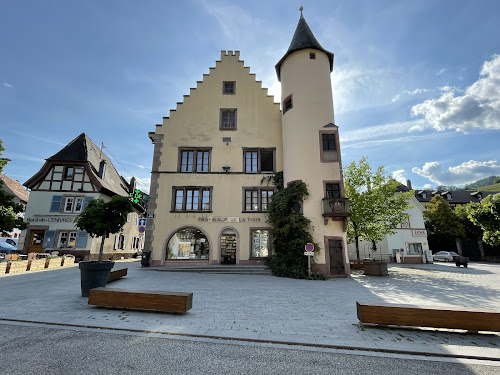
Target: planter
(68, 261)
(36, 264)
(4, 267)
(375, 268)
(94, 275)
(53, 263)
(18, 266)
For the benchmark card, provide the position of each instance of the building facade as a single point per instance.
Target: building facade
(209, 192)
(62, 189)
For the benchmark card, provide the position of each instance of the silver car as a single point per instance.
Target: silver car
(444, 256)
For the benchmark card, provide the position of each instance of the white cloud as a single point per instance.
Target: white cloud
(478, 107)
(7, 85)
(464, 173)
(411, 93)
(396, 98)
(441, 72)
(399, 176)
(428, 186)
(385, 130)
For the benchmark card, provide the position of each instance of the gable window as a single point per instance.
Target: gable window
(260, 160)
(332, 190)
(188, 198)
(312, 56)
(227, 119)
(229, 87)
(406, 222)
(68, 173)
(66, 240)
(194, 160)
(257, 199)
(73, 204)
(287, 104)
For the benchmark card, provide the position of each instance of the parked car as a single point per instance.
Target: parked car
(10, 241)
(5, 247)
(444, 256)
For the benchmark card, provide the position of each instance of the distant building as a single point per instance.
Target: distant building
(20, 194)
(212, 154)
(62, 189)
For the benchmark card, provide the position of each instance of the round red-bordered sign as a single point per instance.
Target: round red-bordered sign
(309, 247)
(142, 229)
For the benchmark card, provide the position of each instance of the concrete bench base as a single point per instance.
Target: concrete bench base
(470, 319)
(174, 302)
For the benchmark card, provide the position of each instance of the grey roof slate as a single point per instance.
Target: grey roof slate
(303, 39)
(457, 196)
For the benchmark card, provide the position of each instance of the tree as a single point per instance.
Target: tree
(486, 214)
(290, 229)
(100, 219)
(497, 180)
(9, 219)
(442, 224)
(376, 207)
(448, 188)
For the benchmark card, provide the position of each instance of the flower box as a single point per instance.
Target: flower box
(18, 266)
(36, 264)
(375, 268)
(68, 261)
(51, 263)
(4, 267)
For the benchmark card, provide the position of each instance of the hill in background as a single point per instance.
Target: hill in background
(488, 182)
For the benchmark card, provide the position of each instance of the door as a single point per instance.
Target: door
(36, 241)
(228, 249)
(336, 259)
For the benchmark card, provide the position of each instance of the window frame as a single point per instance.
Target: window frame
(259, 190)
(224, 83)
(341, 188)
(269, 242)
(259, 159)
(75, 199)
(335, 154)
(221, 119)
(184, 198)
(66, 174)
(405, 224)
(68, 234)
(288, 99)
(195, 151)
(413, 252)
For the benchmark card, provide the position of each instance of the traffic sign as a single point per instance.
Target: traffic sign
(309, 247)
(309, 253)
(142, 222)
(142, 230)
(151, 216)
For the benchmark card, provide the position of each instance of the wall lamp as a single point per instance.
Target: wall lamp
(226, 169)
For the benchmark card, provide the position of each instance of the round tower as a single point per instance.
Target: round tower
(311, 149)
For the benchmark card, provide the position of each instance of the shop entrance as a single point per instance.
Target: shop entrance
(36, 241)
(336, 259)
(228, 247)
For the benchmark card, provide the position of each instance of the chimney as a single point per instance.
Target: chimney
(408, 184)
(102, 168)
(132, 185)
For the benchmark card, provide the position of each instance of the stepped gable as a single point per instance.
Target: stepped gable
(192, 90)
(303, 38)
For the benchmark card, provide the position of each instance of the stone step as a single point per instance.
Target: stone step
(222, 269)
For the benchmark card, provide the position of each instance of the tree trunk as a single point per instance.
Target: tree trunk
(101, 249)
(481, 248)
(357, 247)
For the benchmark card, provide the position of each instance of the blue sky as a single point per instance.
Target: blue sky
(416, 84)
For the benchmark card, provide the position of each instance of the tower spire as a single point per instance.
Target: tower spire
(301, 9)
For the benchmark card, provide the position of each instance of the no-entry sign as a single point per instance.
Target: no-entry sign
(309, 247)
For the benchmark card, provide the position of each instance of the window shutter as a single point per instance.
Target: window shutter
(86, 202)
(48, 239)
(117, 241)
(81, 239)
(124, 242)
(55, 206)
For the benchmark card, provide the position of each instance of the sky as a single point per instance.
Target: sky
(416, 84)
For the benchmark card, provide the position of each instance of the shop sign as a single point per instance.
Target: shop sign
(50, 219)
(419, 233)
(217, 219)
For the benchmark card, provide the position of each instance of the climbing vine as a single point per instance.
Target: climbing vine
(290, 229)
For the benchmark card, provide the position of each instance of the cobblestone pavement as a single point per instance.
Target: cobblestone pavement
(252, 307)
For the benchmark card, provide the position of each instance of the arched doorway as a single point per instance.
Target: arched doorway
(188, 243)
(228, 245)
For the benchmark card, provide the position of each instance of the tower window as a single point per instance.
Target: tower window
(332, 190)
(312, 56)
(328, 146)
(329, 142)
(227, 119)
(287, 104)
(229, 87)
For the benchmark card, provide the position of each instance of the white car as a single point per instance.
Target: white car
(444, 256)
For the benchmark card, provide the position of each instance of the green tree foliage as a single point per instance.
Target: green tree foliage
(443, 225)
(8, 208)
(496, 180)
(486, 215)
(99, 219)
(448, 188)
(290, 229)
(375, 205)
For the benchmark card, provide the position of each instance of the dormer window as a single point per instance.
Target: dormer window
(448, 196)
(424, 195)
(68, 173)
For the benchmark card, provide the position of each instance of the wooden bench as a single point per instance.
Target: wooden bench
(115, 275)
(174, 302)
(468, 318)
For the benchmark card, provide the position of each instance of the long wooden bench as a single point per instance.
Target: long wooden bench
(468, 318)
(174, 302)
(115, 275)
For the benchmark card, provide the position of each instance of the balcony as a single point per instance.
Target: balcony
(335, 207)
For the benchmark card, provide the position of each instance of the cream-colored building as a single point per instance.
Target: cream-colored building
(208, 198)
(61, 189)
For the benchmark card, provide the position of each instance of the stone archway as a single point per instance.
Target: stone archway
(229, 244)
(187, 242)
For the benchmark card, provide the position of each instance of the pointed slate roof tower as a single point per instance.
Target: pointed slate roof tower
(302, 39)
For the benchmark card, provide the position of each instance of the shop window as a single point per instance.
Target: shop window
(194, 160)
(259, 160)
(259, 243)
(229, 87)
(332, 190)
(188, 243)
(196, 199)
(227, 119)
(257, 199)
(414, 248)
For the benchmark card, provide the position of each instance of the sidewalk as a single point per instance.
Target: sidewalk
(256, 308)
